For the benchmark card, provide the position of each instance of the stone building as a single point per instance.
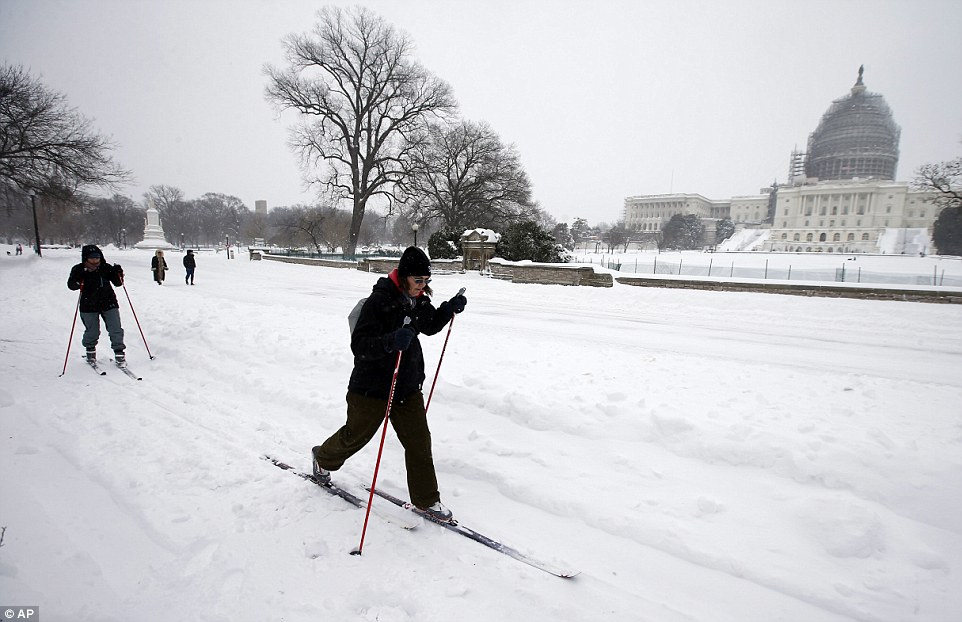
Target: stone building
(477, 248)
(841, 195)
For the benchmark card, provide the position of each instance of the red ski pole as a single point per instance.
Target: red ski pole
(138, 323)
(72, 327)
(377, 463)
(441, 358)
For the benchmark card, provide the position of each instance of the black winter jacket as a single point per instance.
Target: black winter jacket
(97, 294)
(372, 340)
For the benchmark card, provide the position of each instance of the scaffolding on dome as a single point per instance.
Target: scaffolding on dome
(856, 138)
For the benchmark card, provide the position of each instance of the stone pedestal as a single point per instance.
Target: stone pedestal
(153, 231)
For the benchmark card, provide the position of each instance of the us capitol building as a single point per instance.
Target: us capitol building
(841, 196)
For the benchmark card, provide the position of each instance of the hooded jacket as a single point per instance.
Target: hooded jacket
(372, 341)
(96, 293)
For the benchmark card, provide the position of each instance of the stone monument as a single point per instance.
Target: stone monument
(153, 232)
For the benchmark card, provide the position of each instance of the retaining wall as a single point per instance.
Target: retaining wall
(801, 289)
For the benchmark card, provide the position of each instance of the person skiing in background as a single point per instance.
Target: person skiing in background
(189, 263)
(94, 277)
(397, 311)
(159, 266)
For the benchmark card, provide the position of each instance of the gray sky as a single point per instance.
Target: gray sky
(603, 99)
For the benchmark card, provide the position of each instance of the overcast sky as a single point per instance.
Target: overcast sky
(604, 99)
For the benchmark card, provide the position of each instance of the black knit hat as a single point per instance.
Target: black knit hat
(89, 251)
(413, 263)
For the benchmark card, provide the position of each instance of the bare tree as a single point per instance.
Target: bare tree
(46, 147)
(216, 216)
(619, 235)
(463, 176)
(944, 179)
(362, 99)
(301, 223)
(112, 219)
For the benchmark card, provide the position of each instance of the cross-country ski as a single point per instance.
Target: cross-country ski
(471, 534)
(337, 491)
(93, 365)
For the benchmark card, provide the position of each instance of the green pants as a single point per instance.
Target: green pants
(365, 416)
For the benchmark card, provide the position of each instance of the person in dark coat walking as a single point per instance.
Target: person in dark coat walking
(189, 263)
(94, 277)
(158, 265)
(396, 312)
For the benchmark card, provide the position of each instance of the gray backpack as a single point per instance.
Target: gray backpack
(355, 313)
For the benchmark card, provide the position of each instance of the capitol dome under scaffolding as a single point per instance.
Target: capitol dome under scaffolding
(856, 138)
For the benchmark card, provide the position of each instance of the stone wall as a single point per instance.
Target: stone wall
(327, 263)
(516, 272)
(800, 289)
(384, 265)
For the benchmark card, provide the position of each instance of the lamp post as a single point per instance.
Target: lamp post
(36, 227)
(415, 228)
(123, 235)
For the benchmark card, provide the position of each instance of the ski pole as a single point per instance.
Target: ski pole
(73, 325)
(441, 358)
(138, 322)
(377, 463)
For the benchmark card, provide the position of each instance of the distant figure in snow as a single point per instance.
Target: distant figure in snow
(94, 277)
(390, 320)
(20, 249)
(159, 267)
(189, 263)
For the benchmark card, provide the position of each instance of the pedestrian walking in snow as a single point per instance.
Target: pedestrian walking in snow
(94, 277)
(189, 264)
(392, 317)
(159, 266)
(20, 249)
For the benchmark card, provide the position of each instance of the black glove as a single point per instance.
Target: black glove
(457, 303)
(399, 340)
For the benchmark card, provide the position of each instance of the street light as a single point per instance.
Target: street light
(415, 228)
(36, 227)
(123, 235)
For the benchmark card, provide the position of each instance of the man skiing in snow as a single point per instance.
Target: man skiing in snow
(93, 277)
(397, 311)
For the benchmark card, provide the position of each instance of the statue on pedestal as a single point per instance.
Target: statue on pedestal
(153, 231)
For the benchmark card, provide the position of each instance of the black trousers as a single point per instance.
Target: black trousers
(365, 416)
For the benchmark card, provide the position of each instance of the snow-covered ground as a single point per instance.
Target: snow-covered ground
(696, 455)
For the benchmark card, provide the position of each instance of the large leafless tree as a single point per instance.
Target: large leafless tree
(465, 177)
(944, 179)
(363, 99)
(47, 147)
